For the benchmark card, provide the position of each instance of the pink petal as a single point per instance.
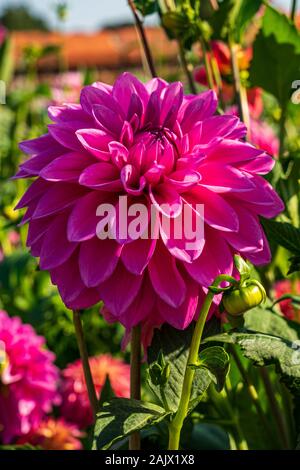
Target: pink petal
(249, 237)
(198, 109)
(180, 317)
(83, 220)
(98, 260)
(56, 248)
(64, 135)
(67, 167)
(125, 86)
(108, 119)
(70, 287)
(165, 277)
(171, 103)
(91, 95)
(141, 307)
(120, 290)
(217, 212)
(36, 189)
(215, 259)
(222, 179)
(136, 255)
(58, 197)
(95, 142)
(166, 199)
(104, 176)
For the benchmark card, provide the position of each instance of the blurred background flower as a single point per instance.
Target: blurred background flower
(75, 406)
(28, 379)
(54, 434)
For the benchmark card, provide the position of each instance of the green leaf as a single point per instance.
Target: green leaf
(264, 350)
(120, 417)
(242, 267)
(106, 392)
(266, 321)
(233, 17)
(284, 234)
(175, 344)
(19, 447)
(216, 360)
(276, 56)
(146, 7)
(294, 264)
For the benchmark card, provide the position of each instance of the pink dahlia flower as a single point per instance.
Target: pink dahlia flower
(284, 287)
(54, 435)
(157, 147)
(75, 402)
(28, 378)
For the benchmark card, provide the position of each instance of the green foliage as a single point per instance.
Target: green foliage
(146, 7)
(288, 236)
(276, 56)
(263, 350)
(174, 345)
(120, 417)
(216, 360)
(21, 18)
(232, 18)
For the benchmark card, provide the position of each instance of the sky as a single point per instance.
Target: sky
(87, 15)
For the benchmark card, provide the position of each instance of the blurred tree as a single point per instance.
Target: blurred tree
(21, 18)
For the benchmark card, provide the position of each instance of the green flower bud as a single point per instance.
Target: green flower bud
(159, 372)
(244, 297)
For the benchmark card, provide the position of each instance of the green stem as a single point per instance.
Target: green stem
(85, 362)
(276, 411)
(207, 65)
(240, 91)
(223, 407)
(176, 424)
(186, 68)
(293, 9)
(143, 38)
(252, 392)
(282, 131)
(135, 379)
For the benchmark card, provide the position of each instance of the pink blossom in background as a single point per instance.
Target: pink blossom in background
(54, 434)
(156, 146)
(66, 87)
(28, 378)
(75, 406)
(284, 287)
(262, 135)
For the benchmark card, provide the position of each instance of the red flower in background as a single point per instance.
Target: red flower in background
(221, 53)
(284, 287)
(54, 434)
(75, 402)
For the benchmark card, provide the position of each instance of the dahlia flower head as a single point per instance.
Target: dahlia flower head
(28, 378)
(54, 434)
(155, 146)
(75, 406)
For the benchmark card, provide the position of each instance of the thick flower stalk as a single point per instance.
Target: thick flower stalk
(28, 379)
(152, 145)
